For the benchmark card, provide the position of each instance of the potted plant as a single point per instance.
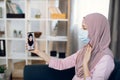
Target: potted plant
(20, 34)
(2, 70)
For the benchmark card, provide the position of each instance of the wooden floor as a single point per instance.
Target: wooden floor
(17, 73)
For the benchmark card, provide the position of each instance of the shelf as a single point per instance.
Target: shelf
(2, 38)
(17, 55)
(32, 22)
(15, 19)
(42, 19)
(40, 39)
(35, 58)
(58, 20)
(22, 39)
(2, 57)
(57, 38)
(2, 19)
(36, 19)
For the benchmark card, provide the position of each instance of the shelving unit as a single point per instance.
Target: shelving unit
(37, 18)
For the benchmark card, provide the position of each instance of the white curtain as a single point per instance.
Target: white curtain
(73, 27)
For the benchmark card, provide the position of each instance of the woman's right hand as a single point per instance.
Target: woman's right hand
(43, 55)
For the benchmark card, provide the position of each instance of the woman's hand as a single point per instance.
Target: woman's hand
(43, 55)
(87, 55)
(86, 60)
(36, 50)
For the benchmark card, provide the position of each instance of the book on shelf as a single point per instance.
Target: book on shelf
(15, 15)
(2, 48)
(55, 13)
(14, 8)
(9, 9)
(14, 11)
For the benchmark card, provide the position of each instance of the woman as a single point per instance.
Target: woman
(30, 41)
(95, 60)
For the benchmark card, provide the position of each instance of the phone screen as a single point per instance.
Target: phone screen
(30, 41)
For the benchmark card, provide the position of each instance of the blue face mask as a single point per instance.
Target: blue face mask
(83, 36)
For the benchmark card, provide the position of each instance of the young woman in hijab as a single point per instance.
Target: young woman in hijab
(95, 60)
(30, 41)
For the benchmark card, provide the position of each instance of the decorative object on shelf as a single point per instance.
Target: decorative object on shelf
(0, 12)
(55, 30)
(61, 55)
(20, 34)
(1, 33)
(53, 53)
(15, 33)
(14, 10)
(37, 34)
(2, 48)
(2, 71)
(38, 15)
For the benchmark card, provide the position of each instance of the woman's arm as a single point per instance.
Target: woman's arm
(45, 56)
(65, 63)
(56, 63)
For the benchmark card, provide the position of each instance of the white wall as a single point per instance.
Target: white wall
(84, 7)
(90, 6)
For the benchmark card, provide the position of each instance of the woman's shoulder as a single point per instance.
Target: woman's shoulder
(106, 60)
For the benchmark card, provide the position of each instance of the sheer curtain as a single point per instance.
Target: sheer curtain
(73, 27)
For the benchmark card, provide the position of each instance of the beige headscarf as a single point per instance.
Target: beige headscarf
(99, 35)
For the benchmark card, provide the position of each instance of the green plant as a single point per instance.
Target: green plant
(2, 69)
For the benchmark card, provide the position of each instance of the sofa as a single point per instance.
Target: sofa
(43, 72)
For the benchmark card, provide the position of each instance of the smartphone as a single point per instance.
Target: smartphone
(30, 41)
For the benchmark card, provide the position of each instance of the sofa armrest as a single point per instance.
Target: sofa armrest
(115, 75)
(43, 72)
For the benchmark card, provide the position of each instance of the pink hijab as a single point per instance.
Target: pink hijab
(99, 35)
